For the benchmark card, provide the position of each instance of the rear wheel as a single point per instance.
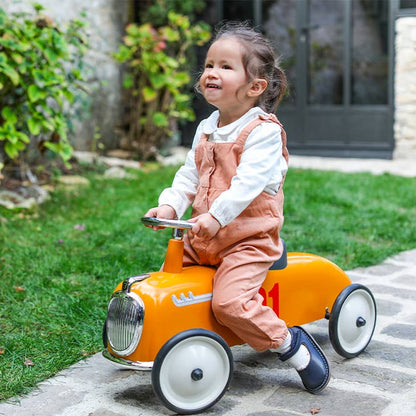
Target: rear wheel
(192, 371)
(353, 320)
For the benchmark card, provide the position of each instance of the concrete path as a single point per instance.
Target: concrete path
(380, 382)
(399, 167)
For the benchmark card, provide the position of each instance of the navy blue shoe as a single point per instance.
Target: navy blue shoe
(316, 375)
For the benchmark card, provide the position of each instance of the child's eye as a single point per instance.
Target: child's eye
(226, 67)
(208, 66)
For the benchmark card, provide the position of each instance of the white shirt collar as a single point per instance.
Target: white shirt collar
(211, 123)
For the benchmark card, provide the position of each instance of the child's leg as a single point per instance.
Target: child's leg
(237, 304)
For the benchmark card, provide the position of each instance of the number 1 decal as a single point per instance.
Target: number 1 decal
(274, 295)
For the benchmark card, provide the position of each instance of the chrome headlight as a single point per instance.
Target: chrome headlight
(124, 322)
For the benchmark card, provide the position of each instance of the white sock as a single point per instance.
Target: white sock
(285, 347)
(300, 360)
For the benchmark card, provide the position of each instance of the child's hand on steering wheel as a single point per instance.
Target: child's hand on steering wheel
(205, 226)
(164, 211)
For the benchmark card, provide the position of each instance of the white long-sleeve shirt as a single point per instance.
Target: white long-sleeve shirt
(262, 167)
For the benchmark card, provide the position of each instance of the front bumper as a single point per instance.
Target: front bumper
(132, 365)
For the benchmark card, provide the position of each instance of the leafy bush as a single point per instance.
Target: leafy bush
(156, 76)
(156, 11)
(40, 72)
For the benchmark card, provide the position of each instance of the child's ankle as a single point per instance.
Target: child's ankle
(300, 359)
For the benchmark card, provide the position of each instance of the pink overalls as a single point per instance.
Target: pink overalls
(242, 251)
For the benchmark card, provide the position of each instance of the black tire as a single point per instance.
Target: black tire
(105, 341)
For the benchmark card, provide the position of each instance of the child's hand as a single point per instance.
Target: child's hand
(164, 211)
(205, 226)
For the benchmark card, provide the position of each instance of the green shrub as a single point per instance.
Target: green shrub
(41, 66)
(157, 75)
(156, 11)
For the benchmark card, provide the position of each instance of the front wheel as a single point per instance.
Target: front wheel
(192, 371)
(352, 320)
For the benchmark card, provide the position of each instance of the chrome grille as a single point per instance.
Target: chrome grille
(124, 322)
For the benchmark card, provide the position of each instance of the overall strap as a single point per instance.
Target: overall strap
(248, 128)
(268, 118)
(204, 138)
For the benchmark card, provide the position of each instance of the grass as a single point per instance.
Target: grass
(59, 264)
(353, 219)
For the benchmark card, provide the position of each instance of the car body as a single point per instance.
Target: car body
(157, 311)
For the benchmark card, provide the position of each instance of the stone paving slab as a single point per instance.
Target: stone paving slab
(380, 382)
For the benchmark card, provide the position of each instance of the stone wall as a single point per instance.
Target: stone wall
(106, 22)
(405, 89)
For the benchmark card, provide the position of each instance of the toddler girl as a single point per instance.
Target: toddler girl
(233, 177)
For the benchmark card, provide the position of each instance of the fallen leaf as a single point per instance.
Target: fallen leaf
(19, 288)
(28, 363)
(2, 351)
(315, 410)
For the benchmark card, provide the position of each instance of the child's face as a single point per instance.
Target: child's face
(224, 81)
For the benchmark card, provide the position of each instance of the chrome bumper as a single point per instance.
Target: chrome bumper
(132, 365)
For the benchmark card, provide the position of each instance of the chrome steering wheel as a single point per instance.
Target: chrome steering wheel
(161, 222)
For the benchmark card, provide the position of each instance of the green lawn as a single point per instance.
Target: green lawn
(60, 263)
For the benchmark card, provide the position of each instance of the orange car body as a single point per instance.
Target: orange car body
(178, 299)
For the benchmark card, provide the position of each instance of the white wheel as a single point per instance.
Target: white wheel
(192, 371)
(353, 320)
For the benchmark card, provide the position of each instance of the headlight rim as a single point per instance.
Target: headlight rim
(135, 339)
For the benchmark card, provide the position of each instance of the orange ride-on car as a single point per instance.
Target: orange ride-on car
(162, 321)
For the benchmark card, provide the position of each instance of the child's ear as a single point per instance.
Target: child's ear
(258, 85)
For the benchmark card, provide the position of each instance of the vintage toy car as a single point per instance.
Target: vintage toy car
(162, 321)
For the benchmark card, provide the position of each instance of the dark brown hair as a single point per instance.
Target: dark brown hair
(259, 60)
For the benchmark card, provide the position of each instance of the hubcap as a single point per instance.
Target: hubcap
(197, 374)
(360, 322)
(354, 334)
(194, 373)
